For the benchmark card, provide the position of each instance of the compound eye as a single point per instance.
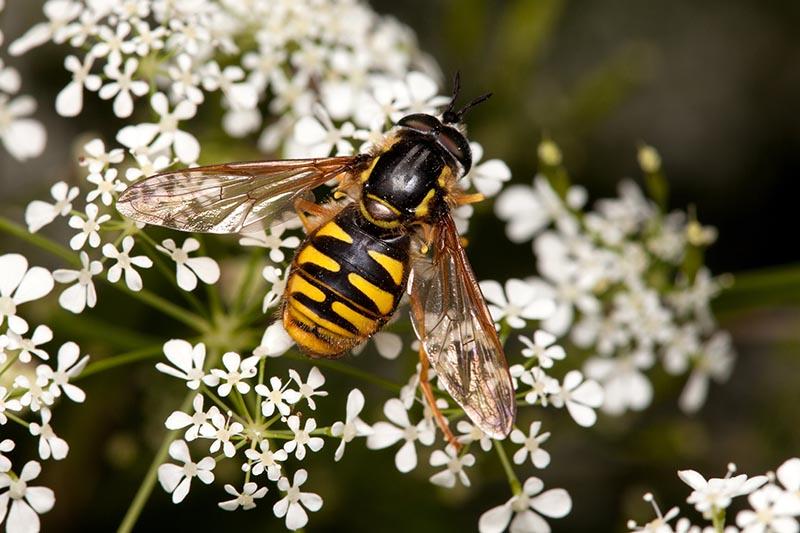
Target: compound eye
(379, 211)
(456, 144)
(420, 122)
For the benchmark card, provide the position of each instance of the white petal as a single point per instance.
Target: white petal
(73, 298)
(406, 458)
(41, 499)
(69, 101)
(789, 474)
(589, 393)
(583, 416)
(396, 412)
(693, 479)
(296, 517)
(313, 502)
(186, 146)
(554, 503)
(495, 520)
(36, 283)
(206, 268)
(123, 106)
(22, 518)
(383, 435)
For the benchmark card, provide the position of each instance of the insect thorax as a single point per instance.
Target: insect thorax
(408, 182)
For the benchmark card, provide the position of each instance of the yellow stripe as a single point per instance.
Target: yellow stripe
(424, 206)
(310, 342)
(365, 175)
(314, 256)
(390, 264)
(319, 321)
(332, 229)
(362, 323)
(298, 284)
(382, 299)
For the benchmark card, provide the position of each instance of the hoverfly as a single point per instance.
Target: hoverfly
(364, 248)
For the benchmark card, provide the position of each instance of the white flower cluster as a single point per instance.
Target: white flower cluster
(30, 391)
(627, 279)
(258, 425)
(774, 503)
(23, 137)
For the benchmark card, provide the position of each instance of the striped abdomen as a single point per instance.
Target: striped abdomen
(346, 281)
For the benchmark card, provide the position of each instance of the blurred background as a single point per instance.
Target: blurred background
(714, 86)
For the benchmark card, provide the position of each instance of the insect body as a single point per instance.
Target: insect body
(346, 281)
(364, 249)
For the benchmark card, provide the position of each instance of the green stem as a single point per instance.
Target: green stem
(718, 520)
(12, 228)
(513, 482)
(17, 419)
(149, 481)
(247, 282)
(11, 361)
(134, 356)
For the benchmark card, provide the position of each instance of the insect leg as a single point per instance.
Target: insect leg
(304, 208)
(427, 391)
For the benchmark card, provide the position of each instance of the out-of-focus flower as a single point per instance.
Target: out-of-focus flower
(39, 214)
(580, 397)
(24, 138)
(22, 504)
(18, 285)
(519, 302)
(455, 467)
(531, 446)
(352, 426)
(715, 494)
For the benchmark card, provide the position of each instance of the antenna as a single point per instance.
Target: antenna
(453, 117)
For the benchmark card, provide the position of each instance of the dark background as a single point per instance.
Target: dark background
(713, 85)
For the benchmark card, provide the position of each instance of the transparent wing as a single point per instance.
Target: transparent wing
(453, 323)
(232, 197)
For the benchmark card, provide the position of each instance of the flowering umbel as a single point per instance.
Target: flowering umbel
(318, 78)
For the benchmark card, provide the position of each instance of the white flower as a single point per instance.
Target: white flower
(88, 227)
(18, 285)
(715, 360)
(352, 426)
(146, 167)
(185, 145)
(221, 430)
(82, 294)
(277, 397)
(235, 371)
(624, 384)
(455, 467)
(771, 512)
(660, 524)
(542, 348)
(581, 398)
(195, 422)
(39, 214)
(277, 282)
(273, 241)
(59, 13)
(122, 86)
(125, 263)
(113, 43)
(50, 444)
(240, 95)
(302, 437)
(487, 177)
(177, 479)
(69, 101)
(385, 434)
(185, 79)
(106, 186)
(519, 303)
(264, 460)
(188, 269)
(526, 508)
(24, 138)
(529, 209)
(716, 493)
(68, 367)
(417, 94)
(308, 389)
(188, 363)
(531, 446)
(291, 505)
(471, 433)
(97, 159)
(36, 392)
(274, 342)
(7, 405)
(41, 335)
(788, 474)
(320, 136)
(6, 446)
(245, 499)
(27, 503)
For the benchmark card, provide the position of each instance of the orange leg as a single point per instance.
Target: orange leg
(427, 391)
(304, 208)
(462, 198)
